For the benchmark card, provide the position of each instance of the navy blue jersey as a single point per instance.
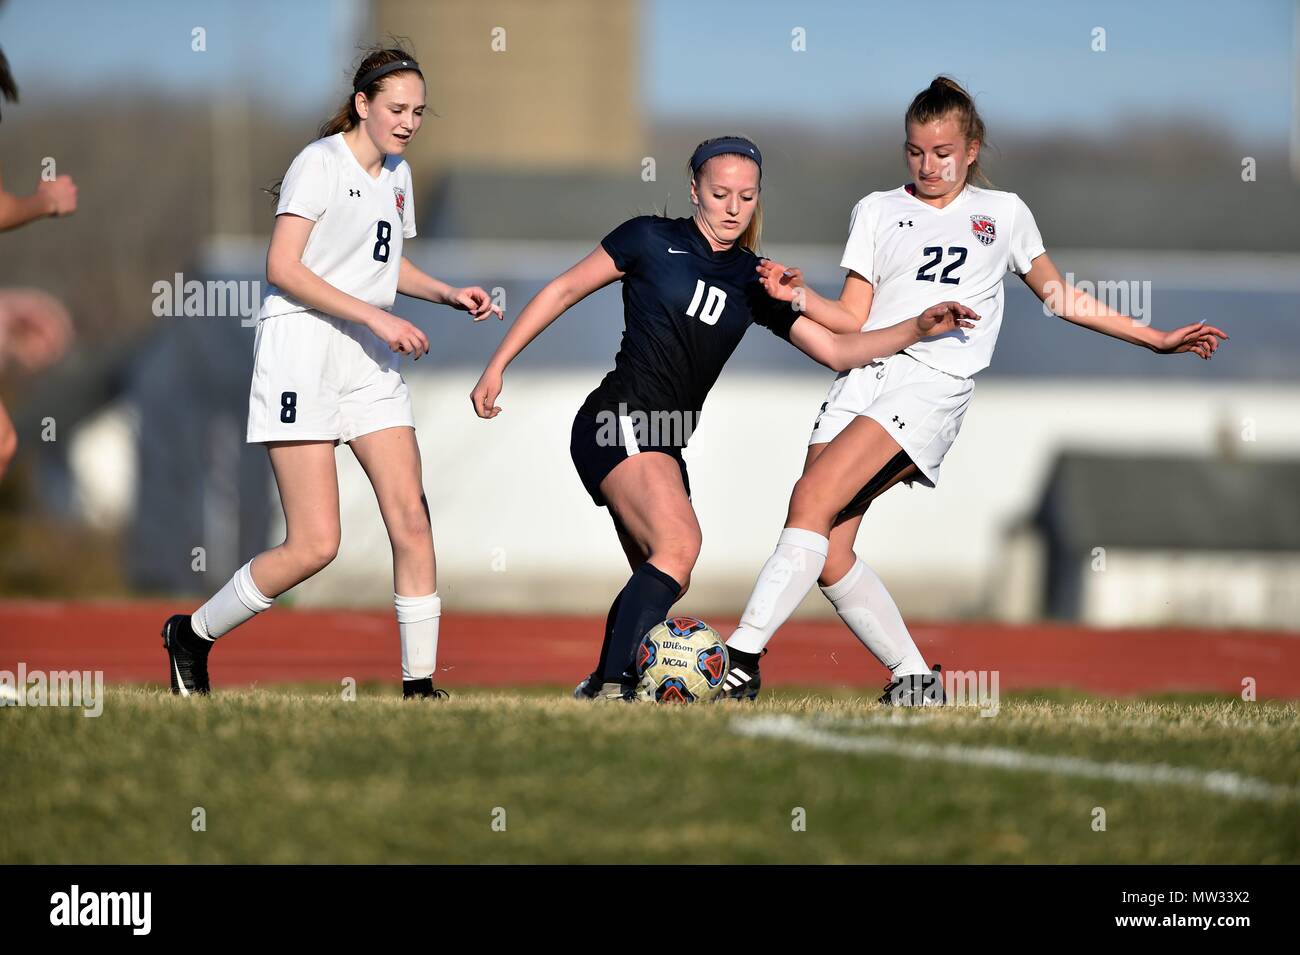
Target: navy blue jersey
(685, 309)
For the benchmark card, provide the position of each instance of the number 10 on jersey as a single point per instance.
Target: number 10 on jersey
(713, 305)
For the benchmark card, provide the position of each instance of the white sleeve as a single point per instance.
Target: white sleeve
(1026, 242)
(860, 250)
(307, 186)
(408, 214)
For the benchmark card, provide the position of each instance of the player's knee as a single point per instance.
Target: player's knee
(839, 561)
(409, 526)
(677, 551)
(808, 501)
(317, 553)
(686, 585)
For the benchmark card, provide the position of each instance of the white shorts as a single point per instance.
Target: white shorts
(320, 378)
(921, 407)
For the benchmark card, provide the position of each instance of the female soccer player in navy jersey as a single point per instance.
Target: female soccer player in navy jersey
(894, 419)
(326, 370)
(690, 291)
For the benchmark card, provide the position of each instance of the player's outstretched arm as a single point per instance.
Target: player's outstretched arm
(418, 284)
(1067, 302)
(285, 270)
(55, 197)
(848, 314)
(842, 351)
(560, 294)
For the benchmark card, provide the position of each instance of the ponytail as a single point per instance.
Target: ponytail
(942, 98)
(346, 117)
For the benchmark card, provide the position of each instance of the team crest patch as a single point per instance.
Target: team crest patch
(399, 195)
(984, 229)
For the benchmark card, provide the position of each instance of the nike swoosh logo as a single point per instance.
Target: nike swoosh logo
(180, 682)
(672, 251)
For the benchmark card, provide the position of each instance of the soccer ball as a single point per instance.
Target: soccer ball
(681, 660)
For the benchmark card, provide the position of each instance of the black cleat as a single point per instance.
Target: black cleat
(921, 689)
(615, 693)
(588, 688)
(423, 690)
(188, 654)
(742, 681)
(595, 689)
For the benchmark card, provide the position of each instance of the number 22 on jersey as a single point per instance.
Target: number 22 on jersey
(934, 255)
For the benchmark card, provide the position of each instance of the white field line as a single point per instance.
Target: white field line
(802, 731)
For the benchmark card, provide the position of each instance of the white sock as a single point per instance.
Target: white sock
(861, 600)
(233, 604)
(417, 623)
(782, 584)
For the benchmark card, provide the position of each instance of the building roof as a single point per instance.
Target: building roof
(1172, 502)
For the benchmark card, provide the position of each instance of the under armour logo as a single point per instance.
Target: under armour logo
(900, 423)
(901, 223)
(354, 192)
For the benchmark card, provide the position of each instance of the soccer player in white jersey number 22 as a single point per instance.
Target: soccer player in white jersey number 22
(940, 237)
(325, 370)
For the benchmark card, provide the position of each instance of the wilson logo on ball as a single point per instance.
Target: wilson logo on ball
(681, 660)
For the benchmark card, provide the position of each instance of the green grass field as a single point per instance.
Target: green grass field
(298, 775)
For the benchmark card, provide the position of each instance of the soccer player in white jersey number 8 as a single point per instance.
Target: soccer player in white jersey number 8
(326, 359)
(937, 238)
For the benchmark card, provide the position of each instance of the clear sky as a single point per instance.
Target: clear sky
(295, 51)
(1029, 61)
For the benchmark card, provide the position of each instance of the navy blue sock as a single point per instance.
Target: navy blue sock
(645, 601)
(609, 636)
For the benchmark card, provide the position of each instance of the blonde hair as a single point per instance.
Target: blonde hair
(752, 236)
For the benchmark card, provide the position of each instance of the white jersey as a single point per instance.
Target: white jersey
(356, 244)
(916, 256)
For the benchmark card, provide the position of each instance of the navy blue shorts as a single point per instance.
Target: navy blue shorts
(598, 447)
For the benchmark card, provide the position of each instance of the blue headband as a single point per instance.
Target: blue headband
(384, 70)
(727, 145)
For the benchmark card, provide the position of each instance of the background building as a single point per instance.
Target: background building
(1160, 163)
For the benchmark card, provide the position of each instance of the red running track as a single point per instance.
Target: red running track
(283, 645)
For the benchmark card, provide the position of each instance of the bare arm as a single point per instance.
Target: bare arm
(56, 197)
(842, 351)
(417, 284)
(1080, 308)
(848, 314)
(16, 211)
(285, 270)
(594, 272)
